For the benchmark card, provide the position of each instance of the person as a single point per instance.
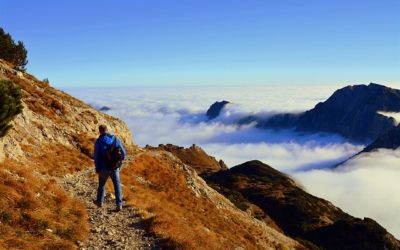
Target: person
(103, 143)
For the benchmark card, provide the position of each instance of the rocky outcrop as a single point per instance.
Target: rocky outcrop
(300, 215)
(52, 117)
(215, 109)
(195, 157)
(352, 112)
(389, 140)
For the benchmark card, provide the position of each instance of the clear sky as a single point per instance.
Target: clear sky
(207, 42)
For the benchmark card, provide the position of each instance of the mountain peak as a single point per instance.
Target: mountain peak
(215, 109)
(352, 111)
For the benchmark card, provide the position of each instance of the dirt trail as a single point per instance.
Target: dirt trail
(108, 229)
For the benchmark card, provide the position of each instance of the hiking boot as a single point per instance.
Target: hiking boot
(119, 208)
(97, 203)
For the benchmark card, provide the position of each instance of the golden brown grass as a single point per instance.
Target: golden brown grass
(35, 213)
(175, 214)
(58, 160)
(84, 144)
(42, 99)
(193, 156)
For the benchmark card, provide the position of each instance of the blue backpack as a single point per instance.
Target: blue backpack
(114, 156)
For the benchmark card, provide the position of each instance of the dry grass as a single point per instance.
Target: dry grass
(39, 99)
(35, 213)
(42, 99)
(175, 214)
(193, 156)
(85, 144)
(58, 160)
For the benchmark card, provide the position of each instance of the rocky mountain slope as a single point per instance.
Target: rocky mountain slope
(51, 138)
(194, 156)
(183, 210)
(389, 140)
(51, 117)
(298, 213)
(47, 185)
(276, 199)
(352, 112)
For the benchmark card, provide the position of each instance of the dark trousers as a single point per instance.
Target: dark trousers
(103, 176)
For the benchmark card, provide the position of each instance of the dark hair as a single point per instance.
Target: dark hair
(102, 129)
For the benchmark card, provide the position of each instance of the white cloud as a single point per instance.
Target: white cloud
(288, 157)
(364, 187)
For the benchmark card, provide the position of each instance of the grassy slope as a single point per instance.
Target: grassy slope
(35, 213)
(158, 187)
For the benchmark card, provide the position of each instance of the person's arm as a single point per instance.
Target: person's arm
(96, 154)
(123, 149)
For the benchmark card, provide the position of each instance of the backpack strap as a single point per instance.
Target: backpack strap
(113, 144)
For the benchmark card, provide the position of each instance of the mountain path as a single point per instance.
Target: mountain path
(109, 229)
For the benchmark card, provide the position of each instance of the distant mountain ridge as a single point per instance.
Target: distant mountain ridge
(353, 112)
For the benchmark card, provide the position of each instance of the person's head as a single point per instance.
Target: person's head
(103, 129)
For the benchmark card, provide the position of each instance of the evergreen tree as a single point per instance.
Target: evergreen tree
(10, 104)
(12, 52)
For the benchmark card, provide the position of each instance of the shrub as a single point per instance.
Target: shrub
(12, 52)
(10, 104)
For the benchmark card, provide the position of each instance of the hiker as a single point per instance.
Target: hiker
(108, 156)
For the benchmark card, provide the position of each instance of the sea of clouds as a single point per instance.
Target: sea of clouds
(366, 186)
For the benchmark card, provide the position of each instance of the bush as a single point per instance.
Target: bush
(12, 52)
(10, 104)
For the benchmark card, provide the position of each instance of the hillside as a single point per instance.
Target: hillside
(182, 209)
(299, 214)
(194, 156)
(51, 138)
(48, 185)
(276, 199)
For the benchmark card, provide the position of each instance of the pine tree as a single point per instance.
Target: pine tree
(12, 52)
(10, 104)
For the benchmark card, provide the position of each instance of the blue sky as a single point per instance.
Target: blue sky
(226, 42)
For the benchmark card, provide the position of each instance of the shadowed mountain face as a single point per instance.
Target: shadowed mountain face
(389, 140)
(299, 214)
(215, 109)
(351, 112)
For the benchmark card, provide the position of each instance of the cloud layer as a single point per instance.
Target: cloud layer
(177, 115)
(366, 186)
